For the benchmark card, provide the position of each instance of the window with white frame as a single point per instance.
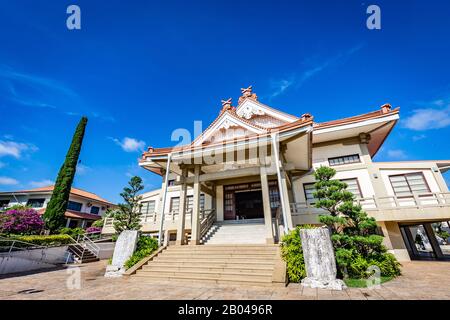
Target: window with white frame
(174, 204)
(190, 202)
(336, 161)
(352, 186)
(409, 184)
(95, 210)
(148, 206)
(36, 203)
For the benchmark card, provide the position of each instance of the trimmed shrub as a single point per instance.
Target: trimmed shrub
(98, 223)
(292, 253)
(21, 220)
(145, 247)
(73, 232)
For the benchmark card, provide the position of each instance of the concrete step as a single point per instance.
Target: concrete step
(176, 255)
(216, 272)
(213, 278)
(208, 267)
(215, 260)
(217, 251)
(225, 247)
(186, 264)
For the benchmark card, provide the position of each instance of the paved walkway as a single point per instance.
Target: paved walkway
(420, 280)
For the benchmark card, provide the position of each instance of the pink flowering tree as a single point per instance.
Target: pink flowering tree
(93, 229)
(21, 221)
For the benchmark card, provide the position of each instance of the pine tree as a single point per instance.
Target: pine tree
(356, 244)
(127, 216)
(56, 208)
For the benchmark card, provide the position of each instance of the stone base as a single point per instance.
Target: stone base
(335, 284)
(113, 271)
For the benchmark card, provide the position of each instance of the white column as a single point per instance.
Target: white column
(68, 222)
(195, 219)
(282, 185)
(182, 211)
(162, 204)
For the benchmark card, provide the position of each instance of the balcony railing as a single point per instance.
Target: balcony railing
(152, 217)
(418, 201)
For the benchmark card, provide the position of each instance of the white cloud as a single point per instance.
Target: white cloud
(281, 86)
(130, 144)
(15, 149)
(42, 183)
(418, 137)
(429, 118)
(298, 79)
(82, 169)
(396, 154)
(8, 181)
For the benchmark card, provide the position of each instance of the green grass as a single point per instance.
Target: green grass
(361, 283)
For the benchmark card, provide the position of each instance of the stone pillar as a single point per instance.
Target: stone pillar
(393, 240)
(266, 206)
(219, 202)
(182, 212)
(195, 220)
(68, 222)
(374, 173)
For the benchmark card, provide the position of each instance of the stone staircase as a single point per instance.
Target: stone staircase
(81, 254)
(253, 264)
(236, 232)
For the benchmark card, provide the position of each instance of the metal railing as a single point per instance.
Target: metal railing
(418, 201)
(153, 217)
(84, 242)
(9, 246)
(207, 219)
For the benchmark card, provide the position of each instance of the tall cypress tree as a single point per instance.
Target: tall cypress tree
(54, 214)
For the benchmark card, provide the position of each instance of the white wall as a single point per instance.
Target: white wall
(320, 157)
(321, 154)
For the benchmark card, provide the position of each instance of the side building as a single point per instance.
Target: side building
(83, 208)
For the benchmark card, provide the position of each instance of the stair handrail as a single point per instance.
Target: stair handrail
(90, 245)
(209, 217)
(85, 242)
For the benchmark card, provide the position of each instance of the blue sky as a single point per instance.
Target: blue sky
(134, 65)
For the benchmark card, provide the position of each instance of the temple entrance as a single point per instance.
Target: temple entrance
(244, 201)
(249, 205)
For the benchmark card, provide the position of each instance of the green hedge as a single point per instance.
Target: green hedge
(145, 247)
(51, 240)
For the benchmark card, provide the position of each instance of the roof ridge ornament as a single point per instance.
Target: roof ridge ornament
(247, 93)
(386, 108)
(226, 105)
(306, 116)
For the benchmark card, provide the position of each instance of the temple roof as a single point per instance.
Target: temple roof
(253, 119)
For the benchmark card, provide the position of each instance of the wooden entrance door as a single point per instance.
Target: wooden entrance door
(230, 197)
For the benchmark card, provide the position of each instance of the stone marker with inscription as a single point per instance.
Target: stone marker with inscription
(124, 249)
(319, 258)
